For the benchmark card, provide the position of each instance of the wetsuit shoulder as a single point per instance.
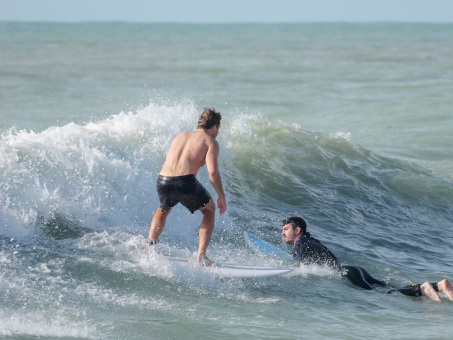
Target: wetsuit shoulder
(310, 250)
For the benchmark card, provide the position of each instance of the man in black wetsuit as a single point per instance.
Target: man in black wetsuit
(309, 250)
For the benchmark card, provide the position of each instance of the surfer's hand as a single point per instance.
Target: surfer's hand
(221, 204)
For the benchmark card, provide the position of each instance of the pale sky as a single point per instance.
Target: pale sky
(218, 11)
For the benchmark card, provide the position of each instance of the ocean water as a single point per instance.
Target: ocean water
(348, 125)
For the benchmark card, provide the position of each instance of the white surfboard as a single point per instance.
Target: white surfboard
(229, 270)
(262, 247)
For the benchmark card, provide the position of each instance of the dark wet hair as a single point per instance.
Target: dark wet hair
(296, 222)
(208, 119)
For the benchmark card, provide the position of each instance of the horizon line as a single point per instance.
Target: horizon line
(101, 21)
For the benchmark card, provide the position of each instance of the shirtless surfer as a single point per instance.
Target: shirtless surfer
(177, 183)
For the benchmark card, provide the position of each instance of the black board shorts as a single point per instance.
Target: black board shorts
(181, 189)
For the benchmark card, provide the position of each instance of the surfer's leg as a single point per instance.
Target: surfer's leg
(428, 290)
(158, 224)
(205, 232)
(446, 288)
(360, 277)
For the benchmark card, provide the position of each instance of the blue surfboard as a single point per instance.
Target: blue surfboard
(262, 247)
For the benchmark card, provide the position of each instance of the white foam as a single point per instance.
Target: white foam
(341, 135)
(36, 325)
(314, 270)
(97, 175)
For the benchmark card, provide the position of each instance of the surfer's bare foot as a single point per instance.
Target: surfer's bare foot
(428, 290)
(205, 261)
(445, 287)
(150, 247)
